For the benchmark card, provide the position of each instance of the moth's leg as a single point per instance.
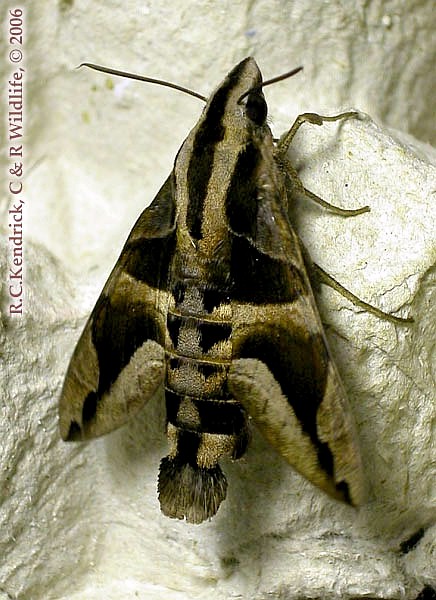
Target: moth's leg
(324, 277)
(314, 119)
(297, 186)
(283, 146)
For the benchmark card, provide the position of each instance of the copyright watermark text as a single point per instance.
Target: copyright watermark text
(15, 154)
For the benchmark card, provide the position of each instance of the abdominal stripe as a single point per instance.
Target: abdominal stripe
(208, 332)
(214, 416)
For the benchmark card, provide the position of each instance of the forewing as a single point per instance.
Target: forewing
(283, 372)
(118, 362)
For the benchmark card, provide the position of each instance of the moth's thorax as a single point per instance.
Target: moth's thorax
(208, 167)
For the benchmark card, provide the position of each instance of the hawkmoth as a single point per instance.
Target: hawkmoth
(211, 298)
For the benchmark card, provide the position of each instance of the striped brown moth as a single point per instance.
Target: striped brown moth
(211, 299)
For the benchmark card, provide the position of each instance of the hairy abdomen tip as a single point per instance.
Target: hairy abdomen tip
(190, 492)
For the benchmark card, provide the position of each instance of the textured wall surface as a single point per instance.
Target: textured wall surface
(83, 521)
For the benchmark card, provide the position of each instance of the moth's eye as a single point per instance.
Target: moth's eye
(256, 108)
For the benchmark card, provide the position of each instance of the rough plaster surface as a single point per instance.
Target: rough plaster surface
(82, 521)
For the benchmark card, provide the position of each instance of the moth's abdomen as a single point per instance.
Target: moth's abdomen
(204, 423)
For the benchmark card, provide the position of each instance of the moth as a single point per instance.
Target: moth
(211, 299)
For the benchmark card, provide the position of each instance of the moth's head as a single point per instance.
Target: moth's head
(237, 107)
(252, 101)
